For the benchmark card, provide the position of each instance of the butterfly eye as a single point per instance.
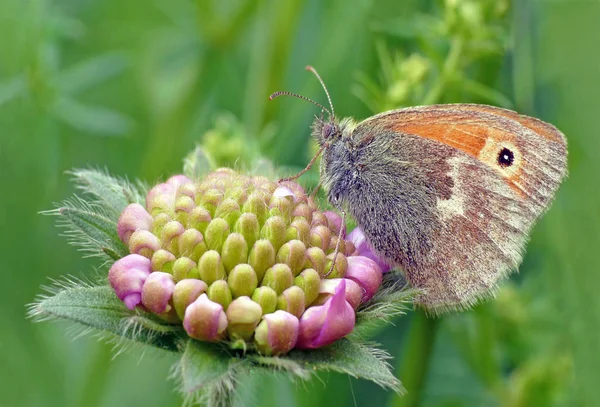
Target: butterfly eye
(506, 157)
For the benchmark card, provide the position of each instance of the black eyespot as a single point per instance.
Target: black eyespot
(506, 157)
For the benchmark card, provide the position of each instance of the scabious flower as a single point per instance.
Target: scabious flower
(239, 258)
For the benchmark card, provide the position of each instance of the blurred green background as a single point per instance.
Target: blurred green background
(132, 86)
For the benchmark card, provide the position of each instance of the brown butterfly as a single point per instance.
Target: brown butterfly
(447, 192)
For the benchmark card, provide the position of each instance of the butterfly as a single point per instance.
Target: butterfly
(449, 192)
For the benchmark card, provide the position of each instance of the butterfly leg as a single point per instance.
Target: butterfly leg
(310, 164)
(337, 244)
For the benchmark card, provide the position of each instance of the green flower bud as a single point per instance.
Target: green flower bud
(144, 243)
(186, 292)
(159, 221)
(277, 333)
(256, 204)
(315, 259)
(309, 281)
(247, 225)
(320, 236)
(303, 212)
(238, 194)
(210, 267)
(183, 268)
(192, 245)
(228, 210)
(199, 218)
(274, 230)
(210, 200)
(243, 315)
(220, 293)
(279, 277)
(293, 254)
(234, 252)
(242, 280)
(292, 300)
(299, 229)
(266, 297)
(170, 234)
(183, 206)
(333, 244)
(341, 265)
(216, 233)
(281, 206)
(262, 256)
(319, 219)
(162, 260)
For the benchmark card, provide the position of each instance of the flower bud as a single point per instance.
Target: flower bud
(302, 211)
(341, 265)
(292, 301)
(216, 233)
(205, 320)
(162, 260)
(256, 204)
(358, 238)
(183, 268)
(234, 251)
(192, 245)
(134, 217)
(228, 210)
(299, 230)
(183, 207)
(366, 273)
(315, 259)
(274, 230)
(309, 281)
(321, 325)
(279, 277)
(242, 280)
(220, 293)
(199, 218)
(210, 200)
(334, 221)
(159, 221)
(247, 225)
(354, 292)
(293, 254)
(277, 333)
(157, 292)
(185, 292)
(262, 256)
(143, 242)
(319, 219)
(320, 236)
(210, 267)
(127, 276)
(160, 198)
(243, 315)
(170, 236)
(266, 297)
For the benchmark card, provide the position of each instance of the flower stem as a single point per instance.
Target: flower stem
(415, 359)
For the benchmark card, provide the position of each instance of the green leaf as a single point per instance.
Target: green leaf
(352, 358)
(90, 228)
(93, 119)
(113, 194)
(197, 164)
(91, 72)
(205, 366)
(282, 364)
(99, 308)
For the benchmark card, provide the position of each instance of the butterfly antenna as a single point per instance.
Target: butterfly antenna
(313, 70)
(283, 93)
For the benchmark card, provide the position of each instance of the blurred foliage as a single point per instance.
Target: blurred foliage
(133, 86)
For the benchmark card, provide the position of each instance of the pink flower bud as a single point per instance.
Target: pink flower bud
(205, 320)
(366, 273)
(186, 292)
(127, 276)
(283, 191)
(363, 247)
(157, 292)
(143, 242)
(277, 333)
(134, 217)
(321, 325)
(354, 291)
(335, 222)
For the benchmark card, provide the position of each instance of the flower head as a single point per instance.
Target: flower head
(242, 258)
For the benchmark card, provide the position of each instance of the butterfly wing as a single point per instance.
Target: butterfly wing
(455, 190)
